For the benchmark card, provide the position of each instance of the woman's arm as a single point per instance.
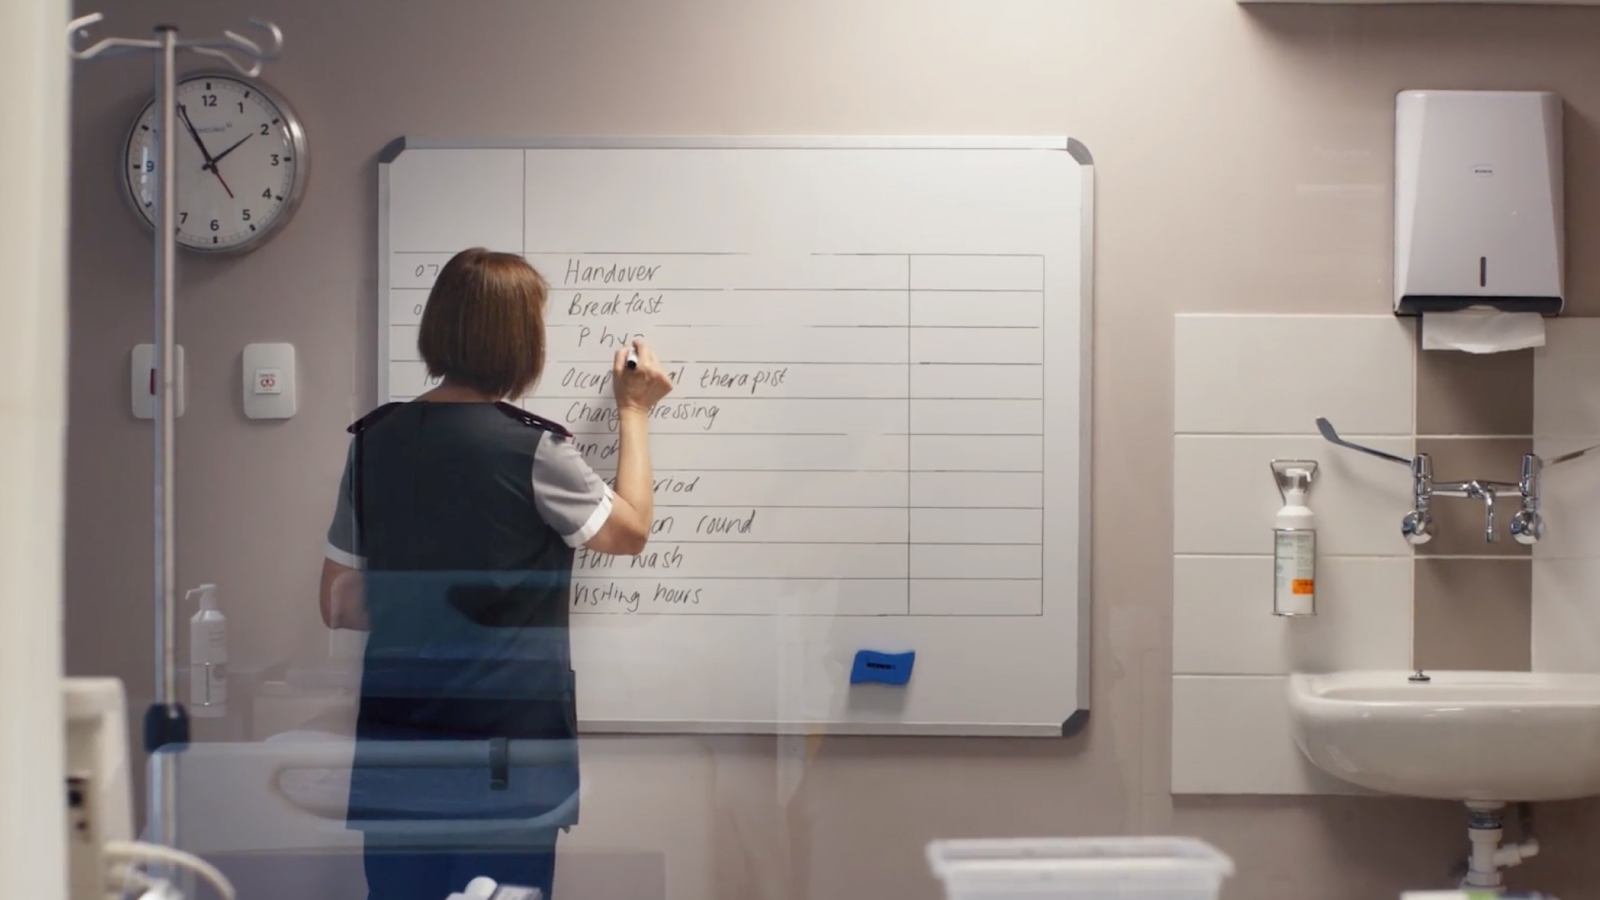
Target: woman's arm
(342, 599)
(633, 505)
(633, 508)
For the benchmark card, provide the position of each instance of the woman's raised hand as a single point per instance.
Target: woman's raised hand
(642, 386)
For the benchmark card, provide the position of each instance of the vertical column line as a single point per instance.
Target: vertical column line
(34, 79)
(1044, 424)
(522, 250)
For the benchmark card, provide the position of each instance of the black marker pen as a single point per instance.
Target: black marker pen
(633, 358)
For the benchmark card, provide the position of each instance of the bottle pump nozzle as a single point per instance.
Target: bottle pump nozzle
(1294, 477)
(207, 596)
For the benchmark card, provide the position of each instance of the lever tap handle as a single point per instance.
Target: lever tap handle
(1568, 457)
(1332, 437)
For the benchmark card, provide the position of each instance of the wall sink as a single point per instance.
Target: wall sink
(1473, 736)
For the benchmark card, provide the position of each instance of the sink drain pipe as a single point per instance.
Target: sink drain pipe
(1485, 829)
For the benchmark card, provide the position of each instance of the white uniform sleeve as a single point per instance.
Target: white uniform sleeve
(569, 496)
(344, 537)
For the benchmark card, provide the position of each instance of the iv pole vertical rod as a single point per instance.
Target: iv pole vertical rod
(166, 724)
(164, 797)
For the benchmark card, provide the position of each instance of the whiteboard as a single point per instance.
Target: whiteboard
(879, 433)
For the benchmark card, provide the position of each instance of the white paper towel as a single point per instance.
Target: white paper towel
(1482, 330)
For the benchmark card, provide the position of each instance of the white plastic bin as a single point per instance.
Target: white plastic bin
(1079, 869)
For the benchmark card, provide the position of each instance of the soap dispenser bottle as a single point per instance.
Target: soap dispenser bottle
(208, 655)
(1294, 545)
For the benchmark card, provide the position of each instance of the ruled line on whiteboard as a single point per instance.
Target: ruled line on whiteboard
(666, 539)
(624, 576)
(652, 289)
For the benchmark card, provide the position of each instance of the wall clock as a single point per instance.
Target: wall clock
(241, 163)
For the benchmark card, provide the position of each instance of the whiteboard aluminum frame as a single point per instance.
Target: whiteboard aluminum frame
(1078, 719)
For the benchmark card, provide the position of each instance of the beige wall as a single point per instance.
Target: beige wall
(1243, 164)
(34, 87)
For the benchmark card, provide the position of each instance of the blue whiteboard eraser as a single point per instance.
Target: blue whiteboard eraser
(888, 668)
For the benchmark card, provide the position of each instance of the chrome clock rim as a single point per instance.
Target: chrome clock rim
(297, 188)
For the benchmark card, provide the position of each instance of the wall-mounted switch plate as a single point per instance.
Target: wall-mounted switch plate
(269, 381)
(142, 380)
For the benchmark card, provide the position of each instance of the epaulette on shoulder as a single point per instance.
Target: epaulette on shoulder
(533, 421)
(366, 421)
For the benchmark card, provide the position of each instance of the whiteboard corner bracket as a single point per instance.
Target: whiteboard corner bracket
(1075, 724)
(392, 150)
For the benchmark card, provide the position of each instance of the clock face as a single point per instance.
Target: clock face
(240, 163)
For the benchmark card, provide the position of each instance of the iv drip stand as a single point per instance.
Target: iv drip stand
(166, 723)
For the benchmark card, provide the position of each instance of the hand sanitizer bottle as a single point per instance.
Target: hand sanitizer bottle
(1294, 533)
(208, 656)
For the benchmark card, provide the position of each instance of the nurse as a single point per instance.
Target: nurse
(452, 545)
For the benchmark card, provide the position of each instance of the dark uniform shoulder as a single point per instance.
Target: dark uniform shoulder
(366, 421)
(532, 421)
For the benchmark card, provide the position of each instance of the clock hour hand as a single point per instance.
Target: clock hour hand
(218, 158)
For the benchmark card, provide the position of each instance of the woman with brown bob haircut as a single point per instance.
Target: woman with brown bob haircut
(452, 546)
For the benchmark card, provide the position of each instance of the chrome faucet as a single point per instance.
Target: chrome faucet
(1486, 491)
(1417, 526)
(1527, 524)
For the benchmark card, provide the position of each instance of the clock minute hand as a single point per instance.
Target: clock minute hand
(183, 112)
(210, 164)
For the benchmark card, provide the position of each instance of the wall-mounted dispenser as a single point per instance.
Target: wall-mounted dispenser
(1294, 540)
(1478, 202)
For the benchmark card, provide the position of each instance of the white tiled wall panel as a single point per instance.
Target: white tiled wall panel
(1570, 499)
(1224, 497)
(1233, 736)
(1246, 374)
(1566, 380)
(1566, 615)
(1566, 564)
(1248, 390)
(1222, 621)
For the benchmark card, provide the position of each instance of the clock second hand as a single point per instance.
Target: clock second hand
(213, 167)
(218, 158)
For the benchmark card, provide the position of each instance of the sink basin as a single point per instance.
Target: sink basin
(1477, 736)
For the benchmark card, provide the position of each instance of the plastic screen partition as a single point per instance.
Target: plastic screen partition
(872, 476)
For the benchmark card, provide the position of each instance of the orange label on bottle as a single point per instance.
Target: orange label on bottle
(1303, 586)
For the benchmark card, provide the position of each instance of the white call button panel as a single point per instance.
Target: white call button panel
(269, 381)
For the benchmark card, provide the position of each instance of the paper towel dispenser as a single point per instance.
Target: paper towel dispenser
(1478, 202)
